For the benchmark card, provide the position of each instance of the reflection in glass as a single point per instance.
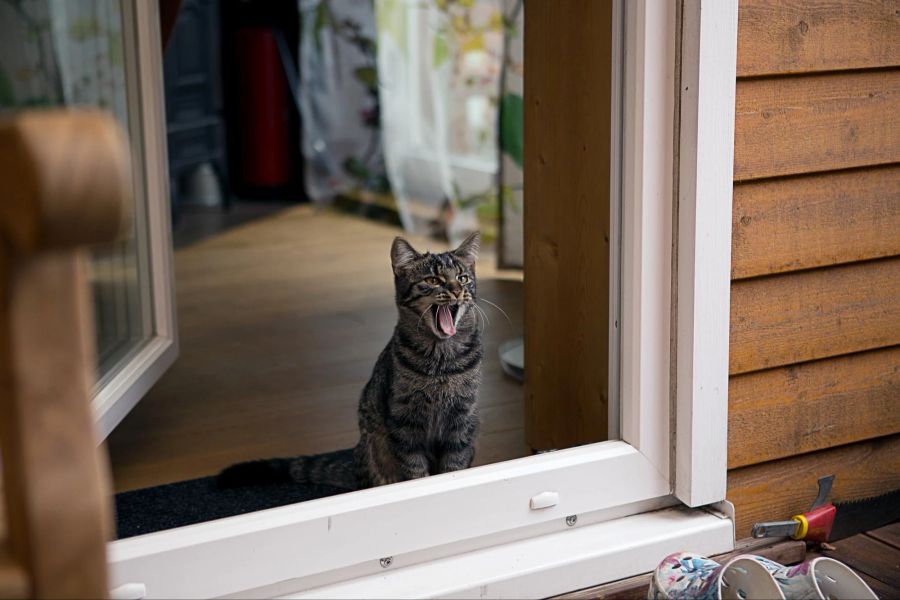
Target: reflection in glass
(71, 53)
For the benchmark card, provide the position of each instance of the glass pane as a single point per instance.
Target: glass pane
(70, 53)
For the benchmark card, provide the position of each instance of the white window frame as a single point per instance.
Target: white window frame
(117, 394)
(473, 532)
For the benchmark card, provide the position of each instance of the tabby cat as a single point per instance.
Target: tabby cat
(417, 413)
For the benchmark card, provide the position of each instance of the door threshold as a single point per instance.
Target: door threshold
(550, 564)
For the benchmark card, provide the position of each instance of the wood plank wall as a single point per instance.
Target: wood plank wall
(567, 134)
(815, 309)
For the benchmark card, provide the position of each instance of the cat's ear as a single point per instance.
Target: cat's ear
(468, 250)
(402, 254)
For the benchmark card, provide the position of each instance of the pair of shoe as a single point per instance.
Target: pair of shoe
(686, 576)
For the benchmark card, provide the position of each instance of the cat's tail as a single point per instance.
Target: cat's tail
(336, 469)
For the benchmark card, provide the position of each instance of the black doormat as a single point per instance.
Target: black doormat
(199, 500)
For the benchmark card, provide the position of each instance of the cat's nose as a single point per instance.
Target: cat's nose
(454, 288)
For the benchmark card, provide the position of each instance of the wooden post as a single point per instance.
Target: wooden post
(63, 180)
(568, 58)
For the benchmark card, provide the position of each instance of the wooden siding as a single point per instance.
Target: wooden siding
(776, 37)
(789, 224)
(811, 123)
(796, 317)
(815, 309)
(791, 410)
(786, 487)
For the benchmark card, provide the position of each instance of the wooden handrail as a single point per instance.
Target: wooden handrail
(64, 182)
(64, 177)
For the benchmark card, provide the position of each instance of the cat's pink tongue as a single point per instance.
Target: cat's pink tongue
(445, 320)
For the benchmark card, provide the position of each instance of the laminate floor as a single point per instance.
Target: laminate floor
(197, 223)
(280, 322)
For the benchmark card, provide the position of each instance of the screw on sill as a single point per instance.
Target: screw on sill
(571, 520)
(386, 561)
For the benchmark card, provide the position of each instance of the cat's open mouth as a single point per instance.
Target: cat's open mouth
(445, 318)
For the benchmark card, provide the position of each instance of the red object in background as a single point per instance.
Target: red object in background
(262, 92)
(819, 523)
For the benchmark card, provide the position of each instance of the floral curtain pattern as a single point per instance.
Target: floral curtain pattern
(512, 138)
(29, 74)
(62, 52)
(339, 106)
(418, 104)
(439, 67)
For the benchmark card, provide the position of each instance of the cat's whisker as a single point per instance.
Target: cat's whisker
(482, 313)
(498, 308)
(479, 317)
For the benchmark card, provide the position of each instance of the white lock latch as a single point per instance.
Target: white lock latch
(544, 500)
(129, 591)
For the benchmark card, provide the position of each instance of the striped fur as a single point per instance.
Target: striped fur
(417, 413)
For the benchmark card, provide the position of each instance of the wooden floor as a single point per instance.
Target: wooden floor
(875, 556)
(280, 322)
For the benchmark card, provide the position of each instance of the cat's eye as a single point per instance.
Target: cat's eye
(464, 278)
(432, 280)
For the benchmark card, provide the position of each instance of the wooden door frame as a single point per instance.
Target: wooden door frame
(475, 531)
(567, 222)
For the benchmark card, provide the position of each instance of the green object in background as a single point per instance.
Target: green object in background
(390, 18)
(323, 20)
(367, 76)
(512, 121)
(440, 52)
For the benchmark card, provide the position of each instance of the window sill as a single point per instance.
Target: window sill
(550, 564)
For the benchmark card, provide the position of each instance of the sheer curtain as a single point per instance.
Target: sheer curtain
(439, 66)
(510, 252)
(341, 135)
(70, 53)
